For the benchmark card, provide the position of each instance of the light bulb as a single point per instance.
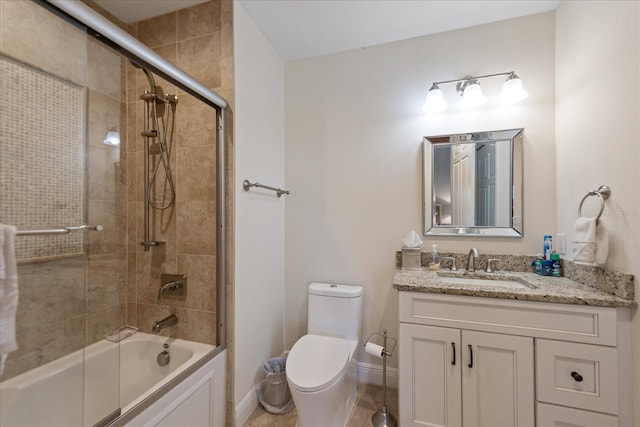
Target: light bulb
(472, 96)
(435, 100)
(512, 90)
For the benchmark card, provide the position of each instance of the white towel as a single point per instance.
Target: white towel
(584, 240)
(8, 293)
(602, 245)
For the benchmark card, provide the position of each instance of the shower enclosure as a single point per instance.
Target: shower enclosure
(113, 171)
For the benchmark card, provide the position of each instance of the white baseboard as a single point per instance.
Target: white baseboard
(369, 373)
(245, 408)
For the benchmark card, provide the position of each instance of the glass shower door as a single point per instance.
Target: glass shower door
(61, 111)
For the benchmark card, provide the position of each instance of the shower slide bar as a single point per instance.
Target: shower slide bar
(63, 230)
(247, 185)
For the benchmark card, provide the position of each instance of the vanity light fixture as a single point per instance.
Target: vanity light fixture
(469, 89)
(435, 100)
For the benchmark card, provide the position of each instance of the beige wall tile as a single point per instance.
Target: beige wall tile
(103, 282)
(132, 314)
(196, 123)
(37, 347)
(104, 115)
(104, 212)
(200, 57)
(196, 325)
(227, 28)
(197, 173)
(196, 228)
(102, 172)
(56, 46)
(103, 70)
(158, 31)
(132, 227)
(201, 278)
(199, 20)
(103, 322)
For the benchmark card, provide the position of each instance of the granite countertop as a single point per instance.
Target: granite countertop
(533, 287)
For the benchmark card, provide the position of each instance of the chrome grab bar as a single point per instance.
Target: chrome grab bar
(63, 230)
(246, 185)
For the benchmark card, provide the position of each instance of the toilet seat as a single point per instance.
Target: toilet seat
(316, 362)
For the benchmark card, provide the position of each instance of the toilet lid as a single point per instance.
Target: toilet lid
(316, 361)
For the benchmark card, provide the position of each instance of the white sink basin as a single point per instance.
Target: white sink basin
(483, 282)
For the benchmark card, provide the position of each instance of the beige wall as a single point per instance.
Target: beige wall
(259, 219)
(598, 116)
(354, 127)
(193, 39)
(68, 303)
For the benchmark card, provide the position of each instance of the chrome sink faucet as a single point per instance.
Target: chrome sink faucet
(473, 254)
(164, 323)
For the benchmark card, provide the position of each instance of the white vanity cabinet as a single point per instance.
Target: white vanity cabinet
(469, 361)
(453, 375)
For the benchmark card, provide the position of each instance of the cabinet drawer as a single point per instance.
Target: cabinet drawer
(560, 416)
(587, 324)
(579, 375)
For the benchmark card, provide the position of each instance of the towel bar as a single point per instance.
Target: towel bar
(63, 230)
(603, 192)
(247, 185)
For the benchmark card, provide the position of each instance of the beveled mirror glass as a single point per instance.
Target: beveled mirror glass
(473, 184)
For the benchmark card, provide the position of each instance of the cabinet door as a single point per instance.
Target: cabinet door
(429, 376)
(561, 416)
(497, 380)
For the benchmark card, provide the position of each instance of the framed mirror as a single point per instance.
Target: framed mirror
(473, 184)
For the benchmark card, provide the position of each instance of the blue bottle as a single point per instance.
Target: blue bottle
(547, 248)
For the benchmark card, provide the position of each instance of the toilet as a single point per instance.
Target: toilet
(321, 370)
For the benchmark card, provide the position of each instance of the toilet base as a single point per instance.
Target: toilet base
(330, 407)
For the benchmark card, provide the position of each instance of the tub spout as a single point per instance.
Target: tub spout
(164, 323)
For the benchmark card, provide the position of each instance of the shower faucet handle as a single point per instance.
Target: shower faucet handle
(173, 285)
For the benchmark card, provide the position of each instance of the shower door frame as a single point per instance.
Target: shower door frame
(106, 32)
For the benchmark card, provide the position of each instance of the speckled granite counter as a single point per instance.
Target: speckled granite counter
(536, 288)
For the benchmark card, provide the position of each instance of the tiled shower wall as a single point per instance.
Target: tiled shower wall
(199, 41)
(42, 124)
(67, 302)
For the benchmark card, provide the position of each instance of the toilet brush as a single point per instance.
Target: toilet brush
(382, 417)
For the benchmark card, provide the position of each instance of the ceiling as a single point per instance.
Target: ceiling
(300, 29)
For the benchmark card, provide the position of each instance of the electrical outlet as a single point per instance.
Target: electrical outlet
(561, 243)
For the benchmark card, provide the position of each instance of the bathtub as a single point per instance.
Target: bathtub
(105, 376)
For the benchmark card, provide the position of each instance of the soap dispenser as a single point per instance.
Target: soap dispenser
(435, 258)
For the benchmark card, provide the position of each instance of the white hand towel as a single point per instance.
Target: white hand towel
(584, 240)
(602, 245)
(8, 294)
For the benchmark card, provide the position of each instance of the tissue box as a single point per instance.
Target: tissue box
(411, 258)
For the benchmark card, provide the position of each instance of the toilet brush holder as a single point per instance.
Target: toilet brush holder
(382, 417)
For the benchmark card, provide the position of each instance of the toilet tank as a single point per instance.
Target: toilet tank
(334, 310)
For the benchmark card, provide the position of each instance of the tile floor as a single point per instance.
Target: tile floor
(369, 401)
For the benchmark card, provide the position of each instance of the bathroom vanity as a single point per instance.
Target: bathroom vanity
(511, 349)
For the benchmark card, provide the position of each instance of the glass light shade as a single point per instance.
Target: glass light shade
(435, 101)
(472, 96)
(112, 138)
(512, 91)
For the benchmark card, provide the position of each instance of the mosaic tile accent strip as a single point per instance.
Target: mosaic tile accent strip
(43, 158)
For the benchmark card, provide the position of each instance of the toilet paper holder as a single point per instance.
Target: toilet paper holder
(384, 336)
(382, 417)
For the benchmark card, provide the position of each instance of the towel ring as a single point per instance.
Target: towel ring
(603, 192)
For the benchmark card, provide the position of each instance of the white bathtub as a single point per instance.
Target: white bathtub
(70, 393)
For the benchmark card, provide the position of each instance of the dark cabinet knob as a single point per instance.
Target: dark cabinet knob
(576, 376)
